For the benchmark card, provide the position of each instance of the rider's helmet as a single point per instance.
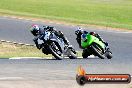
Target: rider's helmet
(79, 31)
(83, 37)
(34, 29)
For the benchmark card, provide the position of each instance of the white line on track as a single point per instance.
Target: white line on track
(11, 78)
(91, 56)
(30, 58)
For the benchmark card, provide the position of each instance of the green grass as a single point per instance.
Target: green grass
(112, 13)
(8, 50)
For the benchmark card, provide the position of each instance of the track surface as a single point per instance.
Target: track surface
(38, 73)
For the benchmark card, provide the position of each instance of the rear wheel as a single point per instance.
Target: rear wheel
(97, 50)
(56, 50)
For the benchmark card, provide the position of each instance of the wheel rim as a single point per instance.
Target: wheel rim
(56, 49)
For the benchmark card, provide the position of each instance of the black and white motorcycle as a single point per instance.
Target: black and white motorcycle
(52, 44)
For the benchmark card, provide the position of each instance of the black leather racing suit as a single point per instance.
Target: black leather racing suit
(48, 28)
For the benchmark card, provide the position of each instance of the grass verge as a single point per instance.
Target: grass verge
(110, 13)
(8, 50)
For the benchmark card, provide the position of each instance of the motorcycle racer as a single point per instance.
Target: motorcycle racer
(96, 47)
(81, 34)
(39, 32)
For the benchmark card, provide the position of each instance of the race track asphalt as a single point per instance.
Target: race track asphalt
(42, 71)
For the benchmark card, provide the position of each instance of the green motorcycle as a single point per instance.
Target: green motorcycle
(93, 46)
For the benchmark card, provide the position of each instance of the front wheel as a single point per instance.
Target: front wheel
(97, 50)
(56, 50)
(108, 54)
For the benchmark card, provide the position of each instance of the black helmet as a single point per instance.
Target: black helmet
(34, 29)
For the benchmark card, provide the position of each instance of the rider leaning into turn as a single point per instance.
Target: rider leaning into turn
(38, 33)
(81, 33)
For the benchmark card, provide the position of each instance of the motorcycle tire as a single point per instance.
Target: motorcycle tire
(53, 52)
(109, 55)
(94, 47)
